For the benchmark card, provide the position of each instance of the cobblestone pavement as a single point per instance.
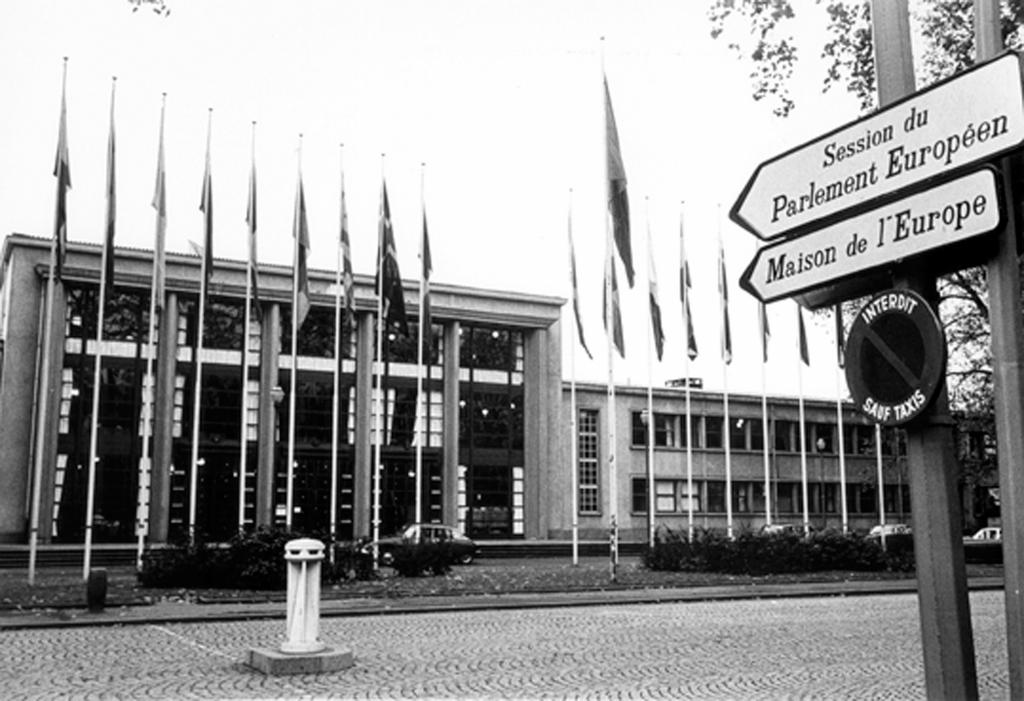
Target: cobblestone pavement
(807, 648)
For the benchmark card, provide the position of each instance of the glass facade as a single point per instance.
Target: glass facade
(491, 431)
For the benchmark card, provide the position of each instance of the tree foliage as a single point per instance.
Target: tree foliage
(944, 39)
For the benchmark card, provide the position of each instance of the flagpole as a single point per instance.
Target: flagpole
(44, 373)
(839, 417)
(336, 388)
(243, 441)
(290, 476)
(803, 432)
(145, 468)
(90, 494)
(420, 413)
(764, 416)
(726, 358)
(197, 392)
(379, 399)
(613, 494)
(685, 294)
(649, 448)
(574, 438)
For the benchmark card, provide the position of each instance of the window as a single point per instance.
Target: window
(716, 496)
(820, 435)
(665, 495)
(741, 497)
(738, 434)
(587, 459)
(784, 436)
(756, 434)
(638, 495)
(688, 500)
(712, 431)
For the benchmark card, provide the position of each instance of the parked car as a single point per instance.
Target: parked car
(889, 529)
(464, 550)
(782, 529)
(989, 533)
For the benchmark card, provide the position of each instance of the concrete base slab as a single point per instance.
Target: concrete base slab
(276, 663)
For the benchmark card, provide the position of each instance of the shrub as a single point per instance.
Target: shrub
(758, 554)
(415, 559)
(248, 561)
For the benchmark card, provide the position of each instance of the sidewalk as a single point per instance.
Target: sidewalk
(181, 612)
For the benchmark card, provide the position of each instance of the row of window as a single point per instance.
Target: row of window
(670, 431)
(674, 496)
(126, 318)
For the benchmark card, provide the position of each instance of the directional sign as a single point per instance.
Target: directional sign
(964, 120)
(895, 357)
(946, 214)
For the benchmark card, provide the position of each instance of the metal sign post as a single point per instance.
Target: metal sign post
(946, 637)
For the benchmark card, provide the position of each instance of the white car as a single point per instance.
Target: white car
(889, 529)
(989, 533)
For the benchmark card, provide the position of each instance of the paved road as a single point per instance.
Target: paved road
(810, 648)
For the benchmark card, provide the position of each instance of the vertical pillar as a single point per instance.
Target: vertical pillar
(52, 418)
(944, 610)
(270, 351)
(363, 468)
(1008, 379)
(450, 460)
(165, 366)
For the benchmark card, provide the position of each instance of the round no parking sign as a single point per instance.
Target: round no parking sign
(895, 357)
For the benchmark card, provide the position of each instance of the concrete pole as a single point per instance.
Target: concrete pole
(946, 635)
(1008, 380)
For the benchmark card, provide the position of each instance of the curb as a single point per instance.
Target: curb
(165, 613)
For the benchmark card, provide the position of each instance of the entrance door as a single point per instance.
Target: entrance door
(490, 502)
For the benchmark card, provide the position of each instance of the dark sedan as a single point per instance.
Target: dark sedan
(463, 549)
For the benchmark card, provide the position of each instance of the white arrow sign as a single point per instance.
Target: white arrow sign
(957, 210)
(969, 118)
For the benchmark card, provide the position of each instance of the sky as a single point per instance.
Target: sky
(488, 113)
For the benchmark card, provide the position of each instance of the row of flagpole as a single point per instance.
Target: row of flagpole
(618, 240)
(391, 312)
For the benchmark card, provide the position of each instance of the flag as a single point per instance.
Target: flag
(723, 291)
(62, 171)
(160, 204)
(206, 207)
(575, 292)
(656, 328)
(616, 331)
(108, 238)
(389, 278)
(250, 219)
(300, 276)
(618, 200)
(804, 356)
(766, 333)
(838, 312)
(426, 269)
(347, 280)
(684, 294)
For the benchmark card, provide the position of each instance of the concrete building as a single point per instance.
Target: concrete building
(497, 446)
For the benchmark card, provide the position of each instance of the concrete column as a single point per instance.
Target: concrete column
(450, 453)
(52, 425)
(363, 468)
(542, 396)
(165, 367)
(270, 342)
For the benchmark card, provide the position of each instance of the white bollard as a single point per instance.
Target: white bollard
(304, 556)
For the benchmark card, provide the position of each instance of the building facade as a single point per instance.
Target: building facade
(499, 421)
